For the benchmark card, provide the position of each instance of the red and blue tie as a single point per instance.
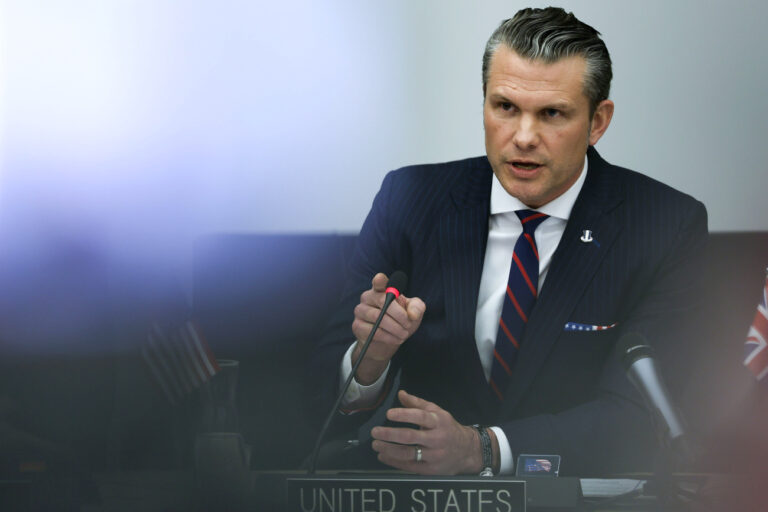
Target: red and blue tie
(522, 289)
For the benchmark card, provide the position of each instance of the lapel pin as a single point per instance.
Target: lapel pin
(586, 237)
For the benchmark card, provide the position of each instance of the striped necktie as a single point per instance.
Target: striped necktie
(522, 289)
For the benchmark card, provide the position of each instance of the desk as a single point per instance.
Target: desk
(176, 491)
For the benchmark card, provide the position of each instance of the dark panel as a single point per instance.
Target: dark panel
(264, 299)
(726, 405)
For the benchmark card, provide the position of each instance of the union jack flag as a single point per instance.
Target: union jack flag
(757, 339)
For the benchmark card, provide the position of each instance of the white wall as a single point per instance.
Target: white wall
(141, 124)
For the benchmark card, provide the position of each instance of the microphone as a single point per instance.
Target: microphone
(396, 284)
(639, 362)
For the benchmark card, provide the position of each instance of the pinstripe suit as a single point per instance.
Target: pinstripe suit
(568, 393)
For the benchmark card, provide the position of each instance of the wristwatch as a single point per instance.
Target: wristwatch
(485, 445)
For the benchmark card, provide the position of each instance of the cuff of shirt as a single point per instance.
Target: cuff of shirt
(506, 460)
(359, 396)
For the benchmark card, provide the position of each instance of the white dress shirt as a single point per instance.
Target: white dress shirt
(504, 228)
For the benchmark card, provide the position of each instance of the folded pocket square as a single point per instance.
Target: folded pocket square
(574, 326)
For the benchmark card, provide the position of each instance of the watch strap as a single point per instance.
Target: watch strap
(485, 446)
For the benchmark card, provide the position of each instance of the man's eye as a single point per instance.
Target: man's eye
(552, 112)
(505, 105)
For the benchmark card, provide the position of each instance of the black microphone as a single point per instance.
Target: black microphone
(396, 284)
(638, 359)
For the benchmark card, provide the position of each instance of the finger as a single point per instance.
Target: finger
(411, 466)
(372, 298)
(420, 417)
(379, 282)
(398, 452)
(362, 330)
(389, 334)
(376, 293)
(370, 314)
(400, 315)
(415, 402)
(389, 325)
(375, 301)
(415, 309)
(399, 435)
(394, 321)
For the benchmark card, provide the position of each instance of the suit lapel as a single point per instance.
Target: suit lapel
(573, 267)
(463, 237)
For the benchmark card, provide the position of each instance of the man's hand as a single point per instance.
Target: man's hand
(447, 448)
(401, 320)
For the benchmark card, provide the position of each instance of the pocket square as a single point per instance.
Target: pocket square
(575, 326)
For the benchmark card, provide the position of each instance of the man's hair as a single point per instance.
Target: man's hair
(552, 34)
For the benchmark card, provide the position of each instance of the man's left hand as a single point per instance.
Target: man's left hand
(447, 447)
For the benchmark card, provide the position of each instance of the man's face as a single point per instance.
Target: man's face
(537, 124)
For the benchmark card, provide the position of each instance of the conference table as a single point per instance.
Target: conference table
(187, 490)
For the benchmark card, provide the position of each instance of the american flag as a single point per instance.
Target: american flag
(178, 358)
(575, 326)
(757, 339)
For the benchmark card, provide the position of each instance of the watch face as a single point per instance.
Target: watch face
(538, 465)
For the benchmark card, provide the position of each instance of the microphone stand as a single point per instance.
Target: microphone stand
(396, 282)
(674, 454)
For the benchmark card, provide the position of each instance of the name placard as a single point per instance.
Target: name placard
(411, 494)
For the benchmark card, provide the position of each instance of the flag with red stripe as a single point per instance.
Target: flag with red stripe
(178, 358)
(757, 340)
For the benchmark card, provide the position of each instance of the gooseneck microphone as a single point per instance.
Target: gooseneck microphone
(397, 284)
(640, 364)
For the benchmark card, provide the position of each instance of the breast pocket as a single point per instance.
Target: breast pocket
(586, 345)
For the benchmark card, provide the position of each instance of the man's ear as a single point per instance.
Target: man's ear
(600, 121)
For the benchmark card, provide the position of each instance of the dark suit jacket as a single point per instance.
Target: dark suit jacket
(569, 393)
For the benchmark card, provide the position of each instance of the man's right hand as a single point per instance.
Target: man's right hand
(401, 320)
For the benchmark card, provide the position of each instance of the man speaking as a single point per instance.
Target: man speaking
(526, 266)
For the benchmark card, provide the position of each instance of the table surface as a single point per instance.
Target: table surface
(177, 490)
(181, 490)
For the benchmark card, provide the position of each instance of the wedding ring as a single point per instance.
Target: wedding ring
(418, 454)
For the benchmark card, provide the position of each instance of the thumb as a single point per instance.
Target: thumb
(379, 282)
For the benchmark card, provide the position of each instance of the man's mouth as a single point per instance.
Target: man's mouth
(525, 165)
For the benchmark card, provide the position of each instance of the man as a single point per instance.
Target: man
(526, 266)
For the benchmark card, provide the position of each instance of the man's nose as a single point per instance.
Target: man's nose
(526, 135)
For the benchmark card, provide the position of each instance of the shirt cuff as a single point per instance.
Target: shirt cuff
(359, 396)
(506, 460)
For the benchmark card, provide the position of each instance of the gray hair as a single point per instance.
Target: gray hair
(552, 34)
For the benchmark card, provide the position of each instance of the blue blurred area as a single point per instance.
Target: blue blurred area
(131, 128)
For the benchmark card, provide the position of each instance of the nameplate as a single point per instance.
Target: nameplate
(411, 494)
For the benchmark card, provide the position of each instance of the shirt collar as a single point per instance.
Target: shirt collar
(560, 207)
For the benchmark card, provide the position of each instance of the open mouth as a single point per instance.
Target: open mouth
(526, 166)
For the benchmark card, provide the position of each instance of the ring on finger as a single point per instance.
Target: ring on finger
(418, 454)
